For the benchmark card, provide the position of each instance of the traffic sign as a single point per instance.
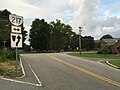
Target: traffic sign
(15, 19)
(16, 40)
(15, 29)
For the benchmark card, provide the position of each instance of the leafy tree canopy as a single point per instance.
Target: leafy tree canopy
(108, 36)
(4, 28)
(88, 42)
(40, 35)
(60, 35)
(53, 36)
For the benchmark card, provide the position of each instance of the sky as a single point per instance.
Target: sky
(96, 17)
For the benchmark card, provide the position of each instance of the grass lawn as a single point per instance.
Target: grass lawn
(94, 55)
(115, 62)
(115, 59)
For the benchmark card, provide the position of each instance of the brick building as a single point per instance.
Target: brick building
(114, 44)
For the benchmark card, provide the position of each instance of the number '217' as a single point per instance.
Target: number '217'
(16, 20)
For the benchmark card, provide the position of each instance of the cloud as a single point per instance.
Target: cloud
(94, 23)
(31, 9)
(95, 18)
(84, 13)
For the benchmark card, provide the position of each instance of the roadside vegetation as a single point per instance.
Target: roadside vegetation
(7, 55)
(7, 63)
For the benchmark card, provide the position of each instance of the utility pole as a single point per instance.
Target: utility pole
(80, 30)
(4, 43)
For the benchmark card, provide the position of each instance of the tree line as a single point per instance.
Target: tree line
(45, 36)
(56, 36)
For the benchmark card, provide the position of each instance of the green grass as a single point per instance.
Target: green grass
(115, 62)
(114, 59)
(94, 55)
(7, 69)
(8, 63)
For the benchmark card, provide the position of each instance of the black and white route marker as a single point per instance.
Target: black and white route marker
(15, 19)
(16, 32)
(16, 40)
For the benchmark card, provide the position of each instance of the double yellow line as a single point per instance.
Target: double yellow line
(86, 71)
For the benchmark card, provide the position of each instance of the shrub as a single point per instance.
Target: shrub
(105, 49)
(4, 53)
(7, 54)
(12, 55)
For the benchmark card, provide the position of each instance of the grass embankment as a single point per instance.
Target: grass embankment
(114, 59)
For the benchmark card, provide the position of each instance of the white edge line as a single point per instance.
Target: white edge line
(99, 61)
(111, 64)
(39, 82)
(107, 65)
(19, 81)
(23, 70)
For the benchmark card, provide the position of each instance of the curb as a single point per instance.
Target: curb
(107, 62)
(23, 71)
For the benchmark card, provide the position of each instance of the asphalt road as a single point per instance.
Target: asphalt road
(58, 71)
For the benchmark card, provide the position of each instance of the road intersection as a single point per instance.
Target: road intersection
(58, 71)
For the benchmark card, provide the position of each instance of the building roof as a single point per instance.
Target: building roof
(110, 42)
(117, 38)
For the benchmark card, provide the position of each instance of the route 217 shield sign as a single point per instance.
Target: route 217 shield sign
(15, 19)
(16, 40)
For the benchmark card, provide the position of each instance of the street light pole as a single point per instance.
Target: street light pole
(4, 43)
(80, 30)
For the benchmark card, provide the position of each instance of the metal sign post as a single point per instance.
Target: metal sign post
(80, 30)
(16, 36)
(16, 62)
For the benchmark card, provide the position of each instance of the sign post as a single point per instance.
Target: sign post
(16, 36)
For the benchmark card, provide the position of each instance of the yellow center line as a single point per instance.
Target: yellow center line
(88, 72)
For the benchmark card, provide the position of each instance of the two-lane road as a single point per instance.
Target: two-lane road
(59, 71)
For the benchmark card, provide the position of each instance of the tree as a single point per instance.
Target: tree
(40, 35)
(88, 42)
(74, 43)
(60, 35)
(4, 14)
(4, 28)
(24, 33)
(27, 48)
(106, 37)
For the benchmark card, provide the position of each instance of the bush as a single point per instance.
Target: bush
(4, 53)
(7, 54)
(105, 49)
(12, 55)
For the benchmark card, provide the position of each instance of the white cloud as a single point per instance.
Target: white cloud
(94, 23)
(77, 13)
(84, 14)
